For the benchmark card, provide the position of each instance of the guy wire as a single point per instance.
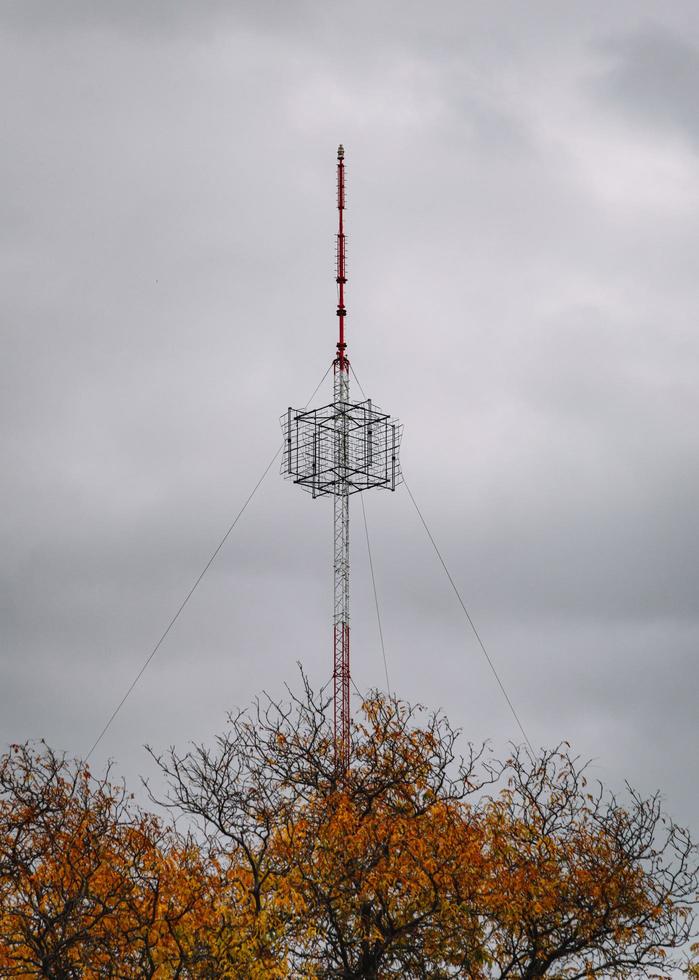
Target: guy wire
(468, 617)
(194, 587)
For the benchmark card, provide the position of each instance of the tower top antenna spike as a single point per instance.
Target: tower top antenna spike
(341, 360)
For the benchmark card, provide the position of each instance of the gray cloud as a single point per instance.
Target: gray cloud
(654, 76)
(158, 19)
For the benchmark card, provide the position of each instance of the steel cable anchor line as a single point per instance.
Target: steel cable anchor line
(337, 450)
(194, 587)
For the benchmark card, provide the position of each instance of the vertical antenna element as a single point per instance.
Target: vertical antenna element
(341, 271)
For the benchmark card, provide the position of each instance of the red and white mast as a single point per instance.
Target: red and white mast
(340, 449)
(341, 622)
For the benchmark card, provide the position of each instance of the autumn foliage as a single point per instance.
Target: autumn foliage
(421, 861)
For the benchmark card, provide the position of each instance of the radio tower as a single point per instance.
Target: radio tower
(341, 449)
(341, 630)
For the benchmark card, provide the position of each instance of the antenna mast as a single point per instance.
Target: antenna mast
(341, 627)
(341, 278)
(341, 449)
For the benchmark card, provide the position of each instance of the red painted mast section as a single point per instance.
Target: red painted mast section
(341, 629)
(342, 363)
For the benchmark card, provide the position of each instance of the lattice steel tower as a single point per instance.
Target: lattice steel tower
(341, 449)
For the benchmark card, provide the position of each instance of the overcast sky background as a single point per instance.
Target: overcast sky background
(523, 219)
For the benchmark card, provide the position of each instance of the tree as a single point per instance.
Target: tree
(416, 862)
(60, 856)
(404, 867)
(578, 884)
(90, 885)
(347, 874)
(374, 854)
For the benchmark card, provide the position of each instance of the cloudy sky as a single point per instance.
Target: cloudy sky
(523, 213)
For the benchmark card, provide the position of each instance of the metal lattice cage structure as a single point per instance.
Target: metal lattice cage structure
(341, 448)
